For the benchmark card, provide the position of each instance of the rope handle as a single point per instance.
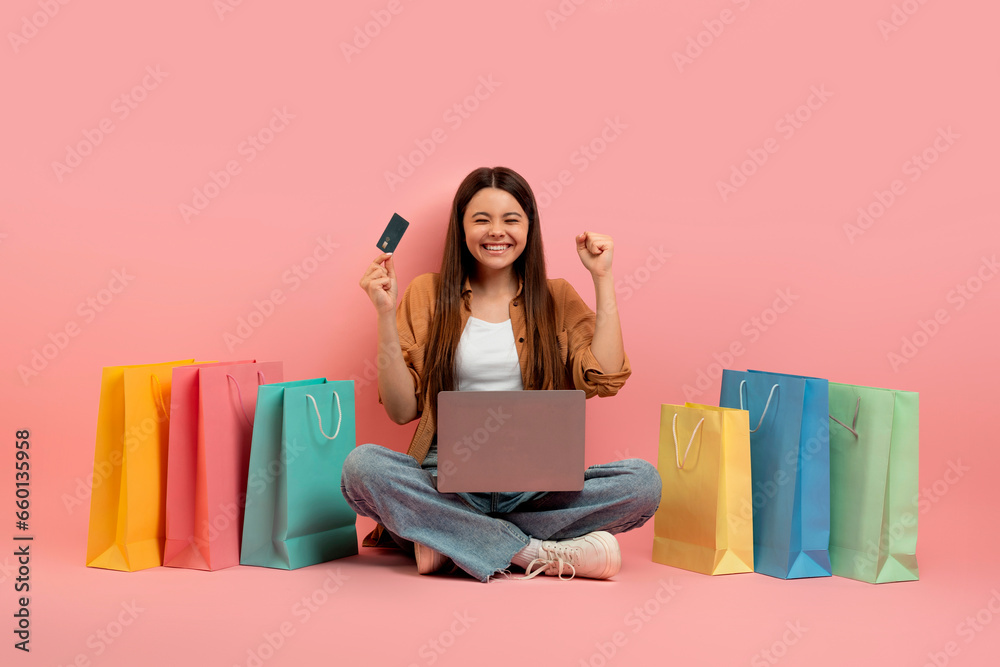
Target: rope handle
(239, 394)
(154, 383)
(743, 383)
(677, 453)
(854, 424)
(319, 418)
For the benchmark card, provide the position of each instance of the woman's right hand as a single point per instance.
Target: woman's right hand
(379, 282)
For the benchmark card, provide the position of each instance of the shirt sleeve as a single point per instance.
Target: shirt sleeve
(579, 322)
(411, 324)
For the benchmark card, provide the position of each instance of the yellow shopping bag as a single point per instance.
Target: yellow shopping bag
(705, 519)
(127, 502)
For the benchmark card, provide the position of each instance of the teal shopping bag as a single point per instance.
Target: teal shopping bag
(295, 513)
(874, 436)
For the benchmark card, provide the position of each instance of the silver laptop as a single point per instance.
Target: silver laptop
(508, 441)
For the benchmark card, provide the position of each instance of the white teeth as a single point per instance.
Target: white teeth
(496, 247)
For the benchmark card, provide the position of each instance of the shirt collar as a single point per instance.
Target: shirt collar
(467, 287)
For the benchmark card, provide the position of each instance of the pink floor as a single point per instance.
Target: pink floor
(374, 608)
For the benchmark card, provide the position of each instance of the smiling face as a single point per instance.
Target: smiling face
(496, 228)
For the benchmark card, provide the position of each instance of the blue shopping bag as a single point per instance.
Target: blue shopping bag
(295, 512)
(790, 469)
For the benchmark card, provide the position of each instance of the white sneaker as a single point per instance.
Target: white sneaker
(429, 561)
(595, 556)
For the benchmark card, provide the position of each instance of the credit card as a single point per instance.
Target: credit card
(393, 232)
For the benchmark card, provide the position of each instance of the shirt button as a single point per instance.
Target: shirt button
(520, 340)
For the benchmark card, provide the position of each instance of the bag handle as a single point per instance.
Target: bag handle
(154, 383)
(340, 415)
(677, 452)
(239, 395)
(743, 383)
(854, 424)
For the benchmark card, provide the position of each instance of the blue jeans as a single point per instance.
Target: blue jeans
(481, 532)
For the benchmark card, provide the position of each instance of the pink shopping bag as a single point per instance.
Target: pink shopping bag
(208, 456)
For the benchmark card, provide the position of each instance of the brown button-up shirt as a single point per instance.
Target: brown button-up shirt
(574, 322)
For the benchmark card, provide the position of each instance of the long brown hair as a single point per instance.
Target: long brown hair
(545, 366)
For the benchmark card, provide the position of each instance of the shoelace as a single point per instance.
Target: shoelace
(555, 561)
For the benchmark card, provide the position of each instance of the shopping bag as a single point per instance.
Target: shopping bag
(211, 423)
(127, 499)
(873, 483)
(790, 462)
(704, 522)
(295, 512)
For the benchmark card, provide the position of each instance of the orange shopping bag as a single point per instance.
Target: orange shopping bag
(127, 501)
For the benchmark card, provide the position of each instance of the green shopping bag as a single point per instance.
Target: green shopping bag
(295, 513)
(873, 483)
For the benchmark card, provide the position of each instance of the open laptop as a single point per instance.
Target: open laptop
(509, 441)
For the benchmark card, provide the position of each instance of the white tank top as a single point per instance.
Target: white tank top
(486, 358)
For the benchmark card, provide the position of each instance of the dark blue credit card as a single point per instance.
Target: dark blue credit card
(392, 234)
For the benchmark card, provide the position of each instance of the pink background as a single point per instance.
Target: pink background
(654, 188)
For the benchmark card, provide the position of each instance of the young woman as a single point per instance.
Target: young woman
(491, 320)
